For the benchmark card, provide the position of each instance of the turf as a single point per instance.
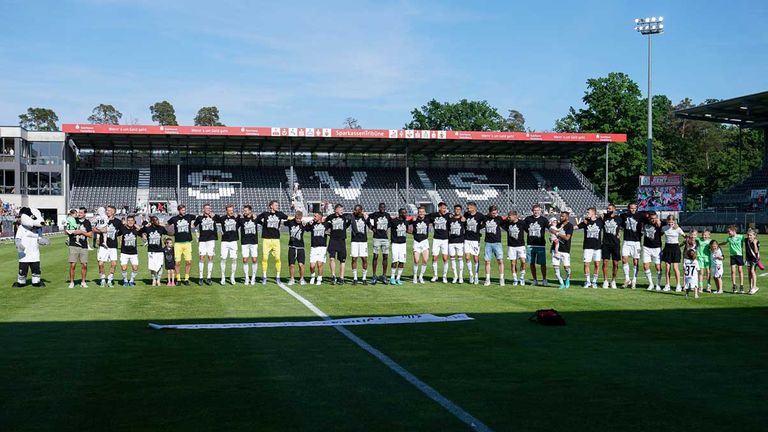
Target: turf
(84, 359)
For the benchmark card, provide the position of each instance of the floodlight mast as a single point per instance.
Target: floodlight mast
(649, 27)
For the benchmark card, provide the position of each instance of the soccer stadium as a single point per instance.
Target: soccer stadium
(211, 277)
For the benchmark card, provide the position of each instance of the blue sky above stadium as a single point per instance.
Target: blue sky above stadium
(316, 63)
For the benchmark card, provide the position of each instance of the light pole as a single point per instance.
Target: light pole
(649, 27)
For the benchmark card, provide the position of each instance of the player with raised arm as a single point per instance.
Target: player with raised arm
(631, 222)
(515, 229)
(206, 239)
(182, 238)
(379, 223)
(296, 256)
(439, 221)
(536, 226)
(319, 246)
(611, 246)
(493, 250)
(456, 230)
(398, 228)
(337, 246)
(592, 227)
(129, 254)
(419, 227)
(229, 239)
(359, 243)
(474, 222)
(249, 243)
(652, 248)
(108, 246)
(270, 222)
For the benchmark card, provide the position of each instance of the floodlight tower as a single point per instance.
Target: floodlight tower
(649, 27)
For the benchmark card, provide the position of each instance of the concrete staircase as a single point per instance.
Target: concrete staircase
(142, 191)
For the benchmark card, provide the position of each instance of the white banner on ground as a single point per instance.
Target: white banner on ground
(400, 319)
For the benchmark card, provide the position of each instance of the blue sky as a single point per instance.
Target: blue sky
(315, 63)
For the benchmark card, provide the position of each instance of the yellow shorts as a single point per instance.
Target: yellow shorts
(270, 246)
(181, 251)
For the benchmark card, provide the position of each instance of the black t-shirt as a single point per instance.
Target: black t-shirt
(249, 233)
(270, 224)
(493, 227)
(651, 235)
(359, 229)
(113, 229)
(564, 245)
(319, 235)
(474, 224)
(154, 237)
(169, 256)
(182, 227)
(420, 229)
(295, 233)
(206, 225)
(228, 228)
(515, 232)
(399, 228)
(611, 227)
(456, 230)
(129, 237)
(632, 224)
(440, 225)
(379, 223)
(536, 227)
(81, 240)
(339, 225)
(592, 230)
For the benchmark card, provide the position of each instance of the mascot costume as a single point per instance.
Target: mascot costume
(29, 237)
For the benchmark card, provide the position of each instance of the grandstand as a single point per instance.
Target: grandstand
(136, 166)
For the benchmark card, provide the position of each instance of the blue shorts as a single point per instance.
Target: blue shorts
(493, 250)
(537, 255)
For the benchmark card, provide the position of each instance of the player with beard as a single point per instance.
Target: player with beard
(515, 229)
(153, 234)
(337, 246)
(249, 243)
(631, 221)
(592, 227)
(108, 246)
(129, 233)
(652, 248)
(206, 238)
(493, 250)
(419, 227)
(474, 222)
(229, 239)
(610, 249)
(536, 226)
(296, 247)
(359, 243)
(564, 232)
(456, 230)
(319, 246)
(182, 239)
(439, 221)
(379, 222)
(398, 229)
(270, 222)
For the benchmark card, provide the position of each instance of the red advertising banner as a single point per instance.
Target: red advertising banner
(339, 133)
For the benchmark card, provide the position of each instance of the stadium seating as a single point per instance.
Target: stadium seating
(741, 193)
(95, 188)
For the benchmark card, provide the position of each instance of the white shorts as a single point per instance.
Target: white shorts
(515, 252)
(317, 254)
(106, 254)
(207, 248)
(125, 259)
(564, 259)
(717, 270)
(455, 249)
(249, 250)
(421, 246)
(631, 249)
(472, 247)
(691, 282)
(398, 252)
(359, 250)
(439, 247)
(229, 249)
(155, 261)
(651, 255)
(591, 255)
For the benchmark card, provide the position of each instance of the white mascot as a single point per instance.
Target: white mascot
(29, 237)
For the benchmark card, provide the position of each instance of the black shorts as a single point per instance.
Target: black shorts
(737, 260)
(170, 265)
(610, 252)
(671, 253)
(295, 255)
(337, 249)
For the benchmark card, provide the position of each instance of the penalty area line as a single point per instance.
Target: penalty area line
(425, 388)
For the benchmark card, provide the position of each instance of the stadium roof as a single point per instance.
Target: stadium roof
(384, 141)
(749, 111)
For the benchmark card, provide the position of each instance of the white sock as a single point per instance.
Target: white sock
(461, 268)
(365, 274)
(223, 266)
(200, 267)
(649, 276)
(594, 278)
(522, 274)
(514, 276)
(102, 275)
(588, 277)
(254, 267)
(210, 269)
(125, 275)
(423, 271)
(415, 269)
(567, 272)
(625, 267)
(501, 276)
(445, 269)
(111, 277)
(233, 267)
(354, 273)
(477, 268)
(557, 272)
(471, 269)
(133, 276)
(246, 270)
(399, 272)
(658, 278)
(434, 268)
(453, 266)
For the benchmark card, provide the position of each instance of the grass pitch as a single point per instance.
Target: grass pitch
(84, 359)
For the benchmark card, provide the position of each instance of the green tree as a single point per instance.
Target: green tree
(39, 119)
(207, 116)
(462, 115)
(351, 123)
(515, 122)
(163, 113)
(105, 114)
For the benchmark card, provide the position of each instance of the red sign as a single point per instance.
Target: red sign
(339, 133)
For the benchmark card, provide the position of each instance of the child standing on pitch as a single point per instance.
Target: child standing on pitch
(735, 244)
(691, 273)
(716, 269)
(753, 257)
(170, 262)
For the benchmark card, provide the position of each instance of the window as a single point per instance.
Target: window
(43, 183)
(7, 181)
(32, 183)
(7, 149)
(45, 152)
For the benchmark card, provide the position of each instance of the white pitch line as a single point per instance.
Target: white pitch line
(425, 388)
